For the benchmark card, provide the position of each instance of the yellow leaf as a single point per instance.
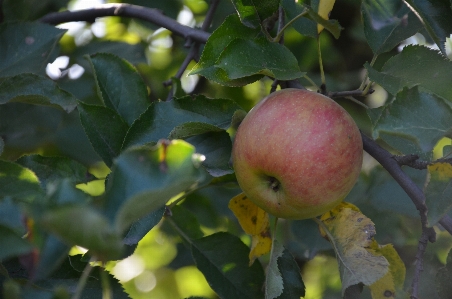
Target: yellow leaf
(254, 221)
(331, 214)
(441, 171)
(351, 234)
(388, 285)
(325, 7)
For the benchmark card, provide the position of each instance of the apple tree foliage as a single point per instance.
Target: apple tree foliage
(137, 146)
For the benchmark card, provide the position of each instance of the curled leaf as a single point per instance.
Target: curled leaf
(254, 221)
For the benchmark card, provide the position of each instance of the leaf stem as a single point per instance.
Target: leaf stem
(106, 287)
(322, 72)
(288, 24)
(83, 279)
(363, 85)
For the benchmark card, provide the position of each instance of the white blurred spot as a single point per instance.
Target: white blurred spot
(145, 282)
(186, 18)
(128, 268)
(53, 69)
(189, 82)
(75, 71)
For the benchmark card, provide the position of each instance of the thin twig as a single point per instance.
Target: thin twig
(353, 93)
(421, 248)
(126, 10)
(414, 162)
(83, 279)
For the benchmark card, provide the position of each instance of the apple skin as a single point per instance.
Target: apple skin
(297, 154)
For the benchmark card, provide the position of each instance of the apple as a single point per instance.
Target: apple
(297, 154)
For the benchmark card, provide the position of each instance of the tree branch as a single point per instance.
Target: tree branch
(126, 10)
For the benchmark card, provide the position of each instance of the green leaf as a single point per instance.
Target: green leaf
(105, 129)
(274, 285)
(218, 41)
(438, 191)
(164, 119)
(132, 53)
(216, 147)
(26, 47)
(420, 117)
(443, 279)
(2, 145)
(141, 227)
(143, 180)
(119, 86)
(253, 13)
(51, 254)
(186, 222)
(387, 23)
(18, 182)
(189, 129)
(304, 26)
(12, 244)
(332, 26)
(36, 90)
(223, 259)
(293, 283)
(307, 241)
(50, 169)
(64, 192)
(436, 18)
(12, 216)
(258, 56)
(403, 70)
(84, 226)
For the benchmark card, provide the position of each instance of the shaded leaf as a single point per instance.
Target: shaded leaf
(105, 129)
(191, 129)
(50, 169)
(119, 86)
(403, 69)
(253, 13)
(12, 244)
(255, 222)
(26, 47)
(223, 259)
(186, 222)
(351, 234)
(258, 56)
(443, 279)
(18, 182)
(93, 231)
(164, 119)
(332, 26)
(218, 41)
(293, 283)
(304, 26)
(143, 180)
(141, 227)
(387, 23)
(392, 282)
(274, 285)
(216, 147)
(436, 18)
(51, 255)
(36, 90)
(324, 10)
(438, 192)
(419, 117)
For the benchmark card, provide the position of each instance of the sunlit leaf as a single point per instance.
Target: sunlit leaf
(254, 221)
(144, 179)
(387, 23)
(120, 86)
(223, 259)
(438, 192)
(36, 90)
(351, 234)
(26, 47)
(436, 18)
